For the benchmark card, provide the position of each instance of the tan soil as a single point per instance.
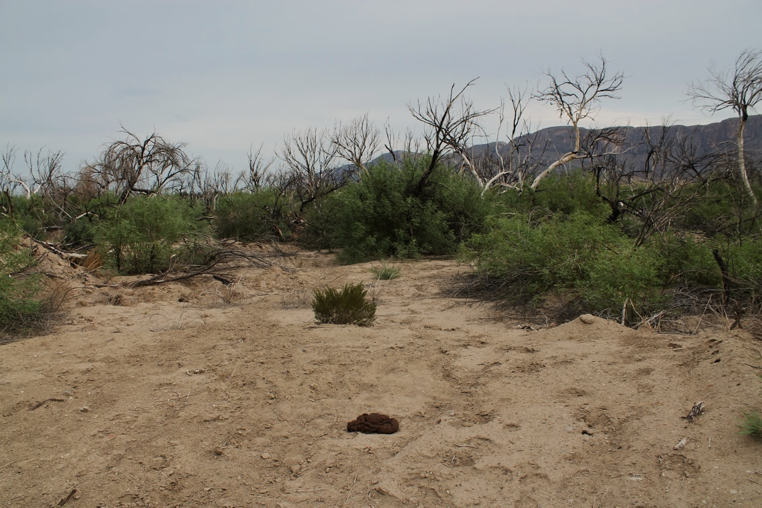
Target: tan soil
(196, 395)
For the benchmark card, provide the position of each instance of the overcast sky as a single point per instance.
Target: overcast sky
(225, 75)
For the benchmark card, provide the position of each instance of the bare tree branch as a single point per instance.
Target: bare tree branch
(257, 176)
(578, 98)
(448, 130)
(357, 142)
(6, 173)
(310, 157)
(739, 90)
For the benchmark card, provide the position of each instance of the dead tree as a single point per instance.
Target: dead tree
(406, 145)
(451, 124)
(45, 171)
(257, 176)
(8, 180)
(576, 99)
(671, 179)
(358, 142)
(310, 157)
(510, 163)
(208, 185)
(739, 90)
(131, 166)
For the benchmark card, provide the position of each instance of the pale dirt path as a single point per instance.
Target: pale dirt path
(203, 403)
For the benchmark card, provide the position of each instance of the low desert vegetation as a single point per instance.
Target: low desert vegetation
(346, 306)
(385, 271)
(751, 424)
(623, 227)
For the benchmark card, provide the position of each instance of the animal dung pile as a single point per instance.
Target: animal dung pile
(373, 423)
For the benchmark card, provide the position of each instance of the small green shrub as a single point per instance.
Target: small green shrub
(751, 425)
(385, 271)
(745, 263)
(345, 306)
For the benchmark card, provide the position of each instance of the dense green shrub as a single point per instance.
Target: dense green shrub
(34, 215)
(316, 228)
(142, 235)
(18, 305)
(687, 259)
(344, 306)
(381, 216)
(560, 193)
(90, 212)
(744, 261)
(579, 256)
(81, 232)
(252, 216)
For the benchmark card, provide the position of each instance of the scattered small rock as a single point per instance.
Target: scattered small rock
(588, 319)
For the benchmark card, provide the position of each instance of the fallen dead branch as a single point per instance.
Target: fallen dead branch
(69, 256)
(43, 402)
(65, 500)
(218, 259)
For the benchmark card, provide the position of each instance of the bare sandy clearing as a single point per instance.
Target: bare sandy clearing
(175, 398)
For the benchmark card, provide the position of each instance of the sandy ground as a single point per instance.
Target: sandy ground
(195, 395)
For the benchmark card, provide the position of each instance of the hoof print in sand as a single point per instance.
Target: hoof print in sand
(373, 423)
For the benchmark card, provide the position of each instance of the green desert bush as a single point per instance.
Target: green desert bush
(144, 234)
(560, 193)
(381, 216)
(83, 231)
(344, 306)
(252, 216)
(34, 215)
(18, 305)
(687, 259)
(745, 266)
(578, 256)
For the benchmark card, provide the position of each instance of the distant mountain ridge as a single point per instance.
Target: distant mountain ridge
(706, 138)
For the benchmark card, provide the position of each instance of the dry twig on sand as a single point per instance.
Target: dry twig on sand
(218, 259)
